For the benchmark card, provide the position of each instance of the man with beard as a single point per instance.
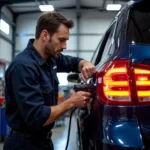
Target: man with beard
(32, 85)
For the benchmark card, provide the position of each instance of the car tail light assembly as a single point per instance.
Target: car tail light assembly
(121, 82)
(142, 81)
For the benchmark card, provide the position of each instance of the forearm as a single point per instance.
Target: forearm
(58, 110)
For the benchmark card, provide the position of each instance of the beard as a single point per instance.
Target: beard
(57, 53)
(50, 51)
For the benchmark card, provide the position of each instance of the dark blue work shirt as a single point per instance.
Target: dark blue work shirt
(32, 87)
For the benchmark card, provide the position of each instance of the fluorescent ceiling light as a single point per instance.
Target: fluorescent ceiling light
(46, 7)
(113, 7)
(4, 26)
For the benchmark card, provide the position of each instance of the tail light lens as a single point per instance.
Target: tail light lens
(121, 82)
(113, 83)
(142, 79)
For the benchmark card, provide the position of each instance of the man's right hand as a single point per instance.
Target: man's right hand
(80, 99)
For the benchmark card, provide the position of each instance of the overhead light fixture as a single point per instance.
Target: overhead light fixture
(113, 7)
(46, 7)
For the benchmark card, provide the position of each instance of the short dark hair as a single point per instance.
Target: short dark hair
(50, 21)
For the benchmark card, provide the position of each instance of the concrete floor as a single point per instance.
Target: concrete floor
(60, 136)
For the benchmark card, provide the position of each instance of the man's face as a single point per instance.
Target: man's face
(57, 42)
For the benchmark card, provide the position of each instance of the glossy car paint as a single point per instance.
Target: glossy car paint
(109, 127)
(142, 57)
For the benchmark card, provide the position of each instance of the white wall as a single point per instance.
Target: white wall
(5, 47)
(91, 22)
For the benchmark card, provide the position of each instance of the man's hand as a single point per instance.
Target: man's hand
(87, 70)
(80, 99)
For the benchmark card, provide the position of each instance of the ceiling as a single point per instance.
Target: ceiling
(29, 6)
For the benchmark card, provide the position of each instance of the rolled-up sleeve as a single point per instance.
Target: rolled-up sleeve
(67, 63)
(28, 95)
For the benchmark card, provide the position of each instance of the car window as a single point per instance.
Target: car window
(104, 51)
(139, 24)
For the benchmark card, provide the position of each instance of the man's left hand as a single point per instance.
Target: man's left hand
(87, 71)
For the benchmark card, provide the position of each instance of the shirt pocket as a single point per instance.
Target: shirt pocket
(47, 92)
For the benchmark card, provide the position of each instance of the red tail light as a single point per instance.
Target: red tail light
(119, 82)
(142, 81)
(2, 100)
(113, 85)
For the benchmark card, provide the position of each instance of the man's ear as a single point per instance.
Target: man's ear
(45, 36)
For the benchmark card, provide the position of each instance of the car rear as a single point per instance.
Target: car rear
(123, 87)
(139, 36)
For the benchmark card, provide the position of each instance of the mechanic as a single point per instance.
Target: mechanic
(32, 85)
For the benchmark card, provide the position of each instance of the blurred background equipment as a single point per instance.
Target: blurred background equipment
(4, 129)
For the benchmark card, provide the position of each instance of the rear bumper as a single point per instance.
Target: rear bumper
(115, 127)
(119, 127)
(123, 133)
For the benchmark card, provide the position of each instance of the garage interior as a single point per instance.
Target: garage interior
(17, 25)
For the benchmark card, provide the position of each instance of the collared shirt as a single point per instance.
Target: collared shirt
(32, 87)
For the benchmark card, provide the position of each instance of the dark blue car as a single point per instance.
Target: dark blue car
(118, 117)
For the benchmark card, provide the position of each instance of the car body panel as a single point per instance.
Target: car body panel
(120, 127)
(141, 55)
(111, 127)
